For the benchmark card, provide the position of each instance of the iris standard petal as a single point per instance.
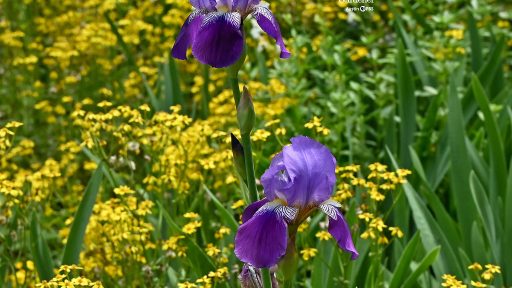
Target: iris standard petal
(187, 35)
(262, 240)
(275, 180)
(269, 24)
(219, 41)
(311, 167)
(252, 208)
(204, 4)
(244, 5)
(339, 229)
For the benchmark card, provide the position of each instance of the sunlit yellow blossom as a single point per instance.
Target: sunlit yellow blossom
(478, 284)
(237, 204)
(396, 231)
(191, 215)
(323, 235)
(191, 227)
(123, 190)
(308, 253)
(475, 266)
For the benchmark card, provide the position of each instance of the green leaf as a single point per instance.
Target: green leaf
(476, 45)
(226, 216)
(407, 106)
(422, 267)
(498, 171)
(506, 252)
(431, 233)
(402, 268)
(40, 251)
(84, 212)
(485, 212)
(460, 163)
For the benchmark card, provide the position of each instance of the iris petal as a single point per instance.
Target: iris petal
(219, 41)
(243, 5)
(311, 167)
(204, 4)
(275, 180)
(251, 209)
(339, 229)
(262, 240)
(187, 35)
(269, 24)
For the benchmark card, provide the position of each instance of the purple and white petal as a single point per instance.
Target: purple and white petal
(262, 240)
(269, 24)
(219, 41)
(187, 35)
(275, 180)
(204, 4)
(252, 209)
(244, 5)
(339, 229)
(311, 167)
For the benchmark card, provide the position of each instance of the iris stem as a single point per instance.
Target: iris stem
(246, 140)
(249, 167)
(267, 281)
(233, 79)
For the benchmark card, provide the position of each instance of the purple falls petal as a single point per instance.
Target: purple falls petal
(269, 24)
(275, 180)
(311, 167)
(252, 208)
(339, 229)
(204, 4)
(262, 240)
(187, 35)
(219, 41)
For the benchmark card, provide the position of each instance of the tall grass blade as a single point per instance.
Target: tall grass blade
(77, 232)
(402, 269)
(40, 251)
(476, 44)
(422, 267)
(406, 104)
(460, 164)
(498, 167)
(506, 252)
(226, 216)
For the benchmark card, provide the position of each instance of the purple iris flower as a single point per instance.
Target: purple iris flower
(215, 30)
(299, 181)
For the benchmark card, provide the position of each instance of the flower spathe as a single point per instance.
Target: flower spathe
(214, 30)
(300, 180)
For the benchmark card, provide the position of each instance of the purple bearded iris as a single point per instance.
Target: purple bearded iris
(215, 30)
(300, 180)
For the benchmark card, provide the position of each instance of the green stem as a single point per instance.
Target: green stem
(267, 281)
(233, 79)
(249, 167)
(205, 97)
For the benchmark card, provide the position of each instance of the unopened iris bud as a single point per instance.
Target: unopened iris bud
(245, 112)
(238, 156)
(251, 277)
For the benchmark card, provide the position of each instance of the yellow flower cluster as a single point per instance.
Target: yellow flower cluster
(374, 189)
(117, 236)
(315, 124)
(484, 279)
(308, 253)
(208, 281)
(66, 278)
